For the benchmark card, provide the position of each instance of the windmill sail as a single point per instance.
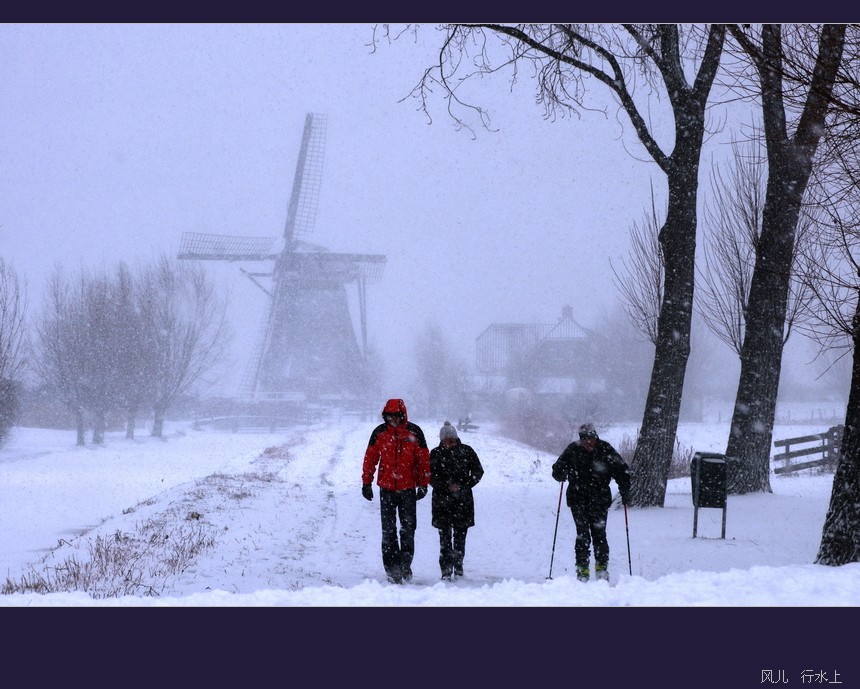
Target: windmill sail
(304, 199)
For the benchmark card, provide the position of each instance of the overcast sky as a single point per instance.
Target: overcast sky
(118, 138)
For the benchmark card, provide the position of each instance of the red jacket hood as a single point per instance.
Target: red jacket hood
(396, 406)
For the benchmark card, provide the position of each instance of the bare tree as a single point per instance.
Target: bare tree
(832, 269)
(60, 346)
(641, 283)
(102, 316)
(135, 342)
(13, 306)
(790, 160)
(186, 319)
(732, 227)
(622, 361)
(656, 58)
(443, 382)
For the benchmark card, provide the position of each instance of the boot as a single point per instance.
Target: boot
(601, 572)
(395, 575)
(582, 572)
(446, 564)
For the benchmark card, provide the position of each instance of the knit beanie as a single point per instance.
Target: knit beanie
(587, 430)
(447, 431)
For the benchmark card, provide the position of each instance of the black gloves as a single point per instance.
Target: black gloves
(367, 491)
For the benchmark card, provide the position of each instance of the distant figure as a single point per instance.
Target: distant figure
(454, 470)
(588, 466)
(400, 450)
(465, 424)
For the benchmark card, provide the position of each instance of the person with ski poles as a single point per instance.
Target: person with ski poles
(400, 450)
(454, 470)
(588, 465)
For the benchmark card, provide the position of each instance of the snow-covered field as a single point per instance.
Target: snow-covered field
(287, 526)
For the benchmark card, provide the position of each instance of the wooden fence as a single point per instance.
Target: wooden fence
(824, 447)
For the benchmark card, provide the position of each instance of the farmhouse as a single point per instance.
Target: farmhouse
(539, 362)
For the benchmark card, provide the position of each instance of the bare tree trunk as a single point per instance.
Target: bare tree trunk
(186, 319)
(81, 428)
(129, 425)
(158, 424)
(656, 441)
(761, 354)
(99, 427)
(840, 538)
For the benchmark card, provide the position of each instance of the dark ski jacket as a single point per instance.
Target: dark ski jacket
(400, 452)
(453, 473)
(589, 474)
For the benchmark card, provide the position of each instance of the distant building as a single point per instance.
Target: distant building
(552, 362)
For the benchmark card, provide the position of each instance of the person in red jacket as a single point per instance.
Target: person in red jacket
(400, 450)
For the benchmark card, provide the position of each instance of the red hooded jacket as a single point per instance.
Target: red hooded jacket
(401, 453)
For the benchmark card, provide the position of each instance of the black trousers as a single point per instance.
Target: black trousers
(452, 548)
(397, 552)
(590, 528)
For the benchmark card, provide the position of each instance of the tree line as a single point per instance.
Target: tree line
(123, 340)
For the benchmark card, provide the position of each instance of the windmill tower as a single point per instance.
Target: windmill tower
(307, 348)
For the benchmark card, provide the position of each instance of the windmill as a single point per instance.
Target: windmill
(307, 348)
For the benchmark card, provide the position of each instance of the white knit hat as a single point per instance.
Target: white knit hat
(447, 431)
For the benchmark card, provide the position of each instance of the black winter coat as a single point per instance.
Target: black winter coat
(453, 474)
(589, 474)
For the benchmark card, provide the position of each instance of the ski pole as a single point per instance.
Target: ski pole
(555, 533)
(627, 528)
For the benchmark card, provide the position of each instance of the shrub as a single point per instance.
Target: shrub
(679, 467)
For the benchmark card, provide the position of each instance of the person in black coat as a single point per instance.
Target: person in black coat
(589, 465)
(454, 470)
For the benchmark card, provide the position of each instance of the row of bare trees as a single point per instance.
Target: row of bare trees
(128, 341)
(802, 79)
(814, 277)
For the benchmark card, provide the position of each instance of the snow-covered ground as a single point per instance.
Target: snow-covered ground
(286, 524)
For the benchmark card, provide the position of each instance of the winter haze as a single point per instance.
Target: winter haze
(119, 138)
